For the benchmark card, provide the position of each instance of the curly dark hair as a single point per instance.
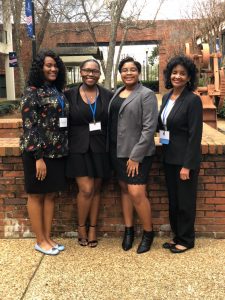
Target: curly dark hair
(188, 64)
(36, 75)
(129, 59)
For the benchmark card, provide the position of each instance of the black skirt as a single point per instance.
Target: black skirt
(54, 181)
(120, 167)
(95, 165)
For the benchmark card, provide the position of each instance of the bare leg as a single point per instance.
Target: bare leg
(84, 200)
(127, 204)
(35, 206)
(49, 205)
(141, 204)
(93, 215)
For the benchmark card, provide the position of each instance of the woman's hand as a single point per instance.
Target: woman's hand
(184, 174)
(41, 169)
(132, 167)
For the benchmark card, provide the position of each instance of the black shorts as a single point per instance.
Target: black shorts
(120, 167)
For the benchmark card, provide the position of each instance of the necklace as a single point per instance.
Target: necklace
(89, 96)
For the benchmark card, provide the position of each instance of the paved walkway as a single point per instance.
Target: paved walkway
(109, 273)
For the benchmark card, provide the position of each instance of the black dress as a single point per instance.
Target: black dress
(43, 138)
(90, 163)
(120, 164)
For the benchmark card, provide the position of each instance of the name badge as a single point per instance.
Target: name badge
(95, 126)
(164, 137)
(62, 122)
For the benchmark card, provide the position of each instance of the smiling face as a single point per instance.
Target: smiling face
(90, 73)
(50, 69)
(129, 74)
(179, 77)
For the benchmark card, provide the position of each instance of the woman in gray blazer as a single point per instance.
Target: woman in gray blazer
(132, 125)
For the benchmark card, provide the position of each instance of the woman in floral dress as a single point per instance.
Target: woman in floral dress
(44, 144)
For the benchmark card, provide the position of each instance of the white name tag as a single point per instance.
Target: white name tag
(95, 126)
(164, 137)
(62, 122)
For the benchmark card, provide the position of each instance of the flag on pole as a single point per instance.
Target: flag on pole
(29, 19)
(13, 59)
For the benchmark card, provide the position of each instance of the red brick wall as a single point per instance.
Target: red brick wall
(210, 219)
(166, 33)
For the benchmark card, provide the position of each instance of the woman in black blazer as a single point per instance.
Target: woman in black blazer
(88, 160)
(180, 124)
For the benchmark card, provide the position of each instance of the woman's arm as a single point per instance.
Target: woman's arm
(149, 124)
(195, 123)
(31, 140)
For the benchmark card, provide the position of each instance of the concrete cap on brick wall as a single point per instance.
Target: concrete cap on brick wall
(213, 141)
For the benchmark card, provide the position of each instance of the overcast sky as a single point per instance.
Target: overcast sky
(171, 9)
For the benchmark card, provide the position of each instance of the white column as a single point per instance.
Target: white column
(5, 48)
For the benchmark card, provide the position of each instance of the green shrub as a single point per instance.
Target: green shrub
(8, 106)
(221, 112)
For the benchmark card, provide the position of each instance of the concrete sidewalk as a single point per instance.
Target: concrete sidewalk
(109, 273)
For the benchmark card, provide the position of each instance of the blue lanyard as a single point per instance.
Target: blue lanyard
(60, 100)
(93, 109)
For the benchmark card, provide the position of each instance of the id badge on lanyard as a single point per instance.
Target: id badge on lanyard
(62, 120)
(95, 126)
(164, 137)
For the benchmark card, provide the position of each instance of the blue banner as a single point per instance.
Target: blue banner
(29, 18)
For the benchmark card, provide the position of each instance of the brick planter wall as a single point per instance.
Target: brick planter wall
(210, 220)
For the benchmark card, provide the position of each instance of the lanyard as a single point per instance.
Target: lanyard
(93, 109)
(60, 100)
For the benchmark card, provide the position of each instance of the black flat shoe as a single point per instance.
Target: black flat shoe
(146, 242)
(168, 245)
(176, 250)
(128, 238)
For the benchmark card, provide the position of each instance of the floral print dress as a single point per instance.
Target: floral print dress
(41, 111)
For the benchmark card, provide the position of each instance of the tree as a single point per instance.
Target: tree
(132, 22)
(42, 18)
(208, 18)
(120, 14)
(154, 55)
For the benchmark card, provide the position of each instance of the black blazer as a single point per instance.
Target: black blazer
(185, 126)
(80, 138)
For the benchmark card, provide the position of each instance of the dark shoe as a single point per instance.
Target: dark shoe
(92, 243)
(128, 238)
(146, 242)
(176, 250)
(168, 245)
(81, 240)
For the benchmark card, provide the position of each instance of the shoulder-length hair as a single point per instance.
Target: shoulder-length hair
(188, 64)
(36, 75)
